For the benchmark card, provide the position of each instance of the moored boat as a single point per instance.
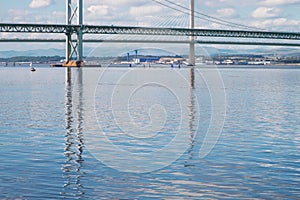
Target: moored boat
(32, 68)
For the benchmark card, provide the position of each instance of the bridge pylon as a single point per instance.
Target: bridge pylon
(191, 60)
(74, 46)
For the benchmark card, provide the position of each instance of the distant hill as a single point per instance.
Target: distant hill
(200, 50)
(33, 53)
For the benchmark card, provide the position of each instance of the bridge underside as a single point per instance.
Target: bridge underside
(157, 42)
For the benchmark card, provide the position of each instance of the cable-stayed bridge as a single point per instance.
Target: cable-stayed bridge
(128, 34)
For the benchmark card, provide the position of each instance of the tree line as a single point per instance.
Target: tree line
(35, 59)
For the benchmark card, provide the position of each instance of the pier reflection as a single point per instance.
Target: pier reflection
(192, 125)
(192, 119)
(74, 137)
(192, 77)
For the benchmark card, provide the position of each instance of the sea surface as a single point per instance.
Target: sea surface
(150, 133)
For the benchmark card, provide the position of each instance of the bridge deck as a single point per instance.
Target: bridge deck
(157, 41)
(88, 29)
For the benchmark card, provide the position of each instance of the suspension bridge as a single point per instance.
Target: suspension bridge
(74, 31)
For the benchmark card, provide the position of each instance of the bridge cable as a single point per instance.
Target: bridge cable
(213, 19)
(187, 13)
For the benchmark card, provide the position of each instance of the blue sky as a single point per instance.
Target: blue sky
(276, 15)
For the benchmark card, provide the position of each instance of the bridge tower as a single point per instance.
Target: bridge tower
(191, 60)
(73, 12)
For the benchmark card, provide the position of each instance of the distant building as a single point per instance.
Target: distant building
(171, 60)
(227, 62)
(146, 60)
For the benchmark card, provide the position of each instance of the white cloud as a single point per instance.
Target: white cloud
(209, 3)
(110, 11)
(17, 15)
(220, 3)
(118, 3)
(212, 3)
(98, 10)
(40, 3)
(145, 10)
(277, 24)
(59, 14)
(264, 12)
(226, 12)
(279, 2)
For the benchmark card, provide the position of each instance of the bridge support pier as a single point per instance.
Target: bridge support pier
(74, 47)
(191, 60)
(79, 32)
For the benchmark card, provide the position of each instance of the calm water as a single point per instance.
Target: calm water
(107, 134)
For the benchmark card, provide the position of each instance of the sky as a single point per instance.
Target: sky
(273, 15)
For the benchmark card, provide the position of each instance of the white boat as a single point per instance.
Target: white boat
(32, 68)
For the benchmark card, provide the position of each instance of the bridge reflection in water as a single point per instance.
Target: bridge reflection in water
(74, 136)
(74, 142)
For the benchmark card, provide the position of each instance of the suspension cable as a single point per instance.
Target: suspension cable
(212, 19)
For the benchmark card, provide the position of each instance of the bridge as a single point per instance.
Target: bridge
(88, 29)
(182, 35)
